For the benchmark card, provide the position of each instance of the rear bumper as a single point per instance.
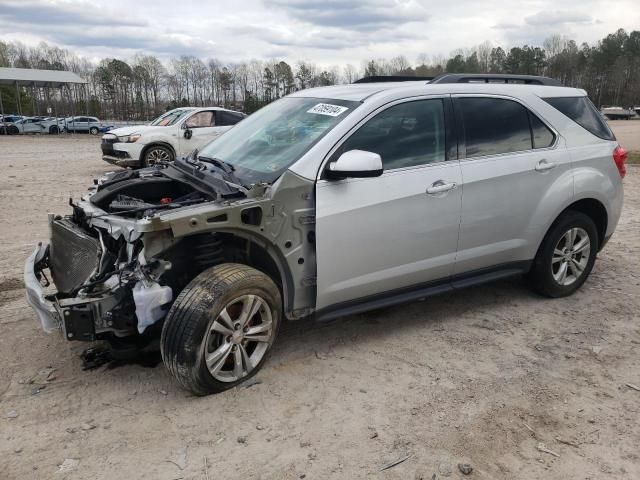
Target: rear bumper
(36, 297)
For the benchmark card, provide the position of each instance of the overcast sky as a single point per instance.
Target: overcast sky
(323, 31)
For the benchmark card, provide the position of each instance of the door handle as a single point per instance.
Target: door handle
(543, 166)
(440, 187)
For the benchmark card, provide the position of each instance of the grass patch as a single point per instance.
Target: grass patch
(634, 158)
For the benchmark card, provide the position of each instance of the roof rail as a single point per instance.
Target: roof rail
(391, 78)
(495, 78)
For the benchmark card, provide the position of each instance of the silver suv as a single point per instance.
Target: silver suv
(329, 202)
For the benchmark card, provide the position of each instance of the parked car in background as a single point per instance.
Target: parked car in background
(170, 136)
(90, 125)
(10, 118)
(38, 125)
(7, 124)
(618, 113)
(329, 202)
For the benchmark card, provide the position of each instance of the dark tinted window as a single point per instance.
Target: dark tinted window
(227, 118)
(584, 113)
(404, 135)
(542, 136)
(494, 125)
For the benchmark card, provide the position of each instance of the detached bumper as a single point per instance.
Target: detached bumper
(45, 309)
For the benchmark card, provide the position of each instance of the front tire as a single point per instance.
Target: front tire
(94, 130)
(156, 154)
(566, 257)
(221, 327)
(53, 130)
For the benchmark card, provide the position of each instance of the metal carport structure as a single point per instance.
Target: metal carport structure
(34, 78)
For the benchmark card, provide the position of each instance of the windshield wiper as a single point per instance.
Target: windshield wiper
(226, 168)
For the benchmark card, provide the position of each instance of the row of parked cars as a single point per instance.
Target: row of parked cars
(17, 125)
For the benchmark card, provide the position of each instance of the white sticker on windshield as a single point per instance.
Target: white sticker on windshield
(328, 109)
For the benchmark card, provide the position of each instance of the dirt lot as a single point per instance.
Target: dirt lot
(481, 377)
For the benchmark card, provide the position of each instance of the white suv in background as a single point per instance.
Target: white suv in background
(172, 135)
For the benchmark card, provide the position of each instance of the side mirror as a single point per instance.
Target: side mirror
(355, 164)
(188, 133)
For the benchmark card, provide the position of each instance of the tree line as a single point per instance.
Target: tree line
(144, 86)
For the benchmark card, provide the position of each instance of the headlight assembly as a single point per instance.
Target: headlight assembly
(129, 138)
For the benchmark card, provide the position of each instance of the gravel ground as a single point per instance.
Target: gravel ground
(627, 133)
(515, 385)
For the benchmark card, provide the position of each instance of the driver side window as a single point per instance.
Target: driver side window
(200, 120)
(404, 135)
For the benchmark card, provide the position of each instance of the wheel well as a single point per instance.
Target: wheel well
(196, 253)
(157, 144)
(596, 211)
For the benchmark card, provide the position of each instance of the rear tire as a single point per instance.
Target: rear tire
(94, 130)
(12, 130)
(566, 256)
(221, 327)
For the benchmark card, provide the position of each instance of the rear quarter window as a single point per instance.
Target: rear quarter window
(584, 113)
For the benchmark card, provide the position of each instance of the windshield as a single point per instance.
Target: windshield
(262, 146)
(171, 117)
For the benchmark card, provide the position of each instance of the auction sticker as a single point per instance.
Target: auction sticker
(328, 109)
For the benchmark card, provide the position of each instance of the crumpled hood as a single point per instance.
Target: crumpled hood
(119, 132)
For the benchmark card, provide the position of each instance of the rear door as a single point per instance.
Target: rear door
(512, 161)
(383, 235)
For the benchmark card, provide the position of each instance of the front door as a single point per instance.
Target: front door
(200, 128)
(378, 236)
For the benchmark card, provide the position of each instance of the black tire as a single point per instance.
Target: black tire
(94, 131)
(53, 130)
(156, 154)
(541, 276)
(12, 130)
(187, 335)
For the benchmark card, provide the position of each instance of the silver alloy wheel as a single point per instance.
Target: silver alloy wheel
(238, 338)
(156, 155)
(570, 256)
(93, 131)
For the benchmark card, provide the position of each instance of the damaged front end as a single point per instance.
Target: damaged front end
(104, 286)
(113, 267)
(103, 259)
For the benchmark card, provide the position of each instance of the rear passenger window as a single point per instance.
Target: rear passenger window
(224, 119)
(405, 135)
(542, 136)
(494, 125)
(584, 113)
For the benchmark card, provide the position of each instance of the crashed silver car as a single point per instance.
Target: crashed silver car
(330, 202)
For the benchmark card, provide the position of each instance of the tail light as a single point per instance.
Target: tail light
(619, 157)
